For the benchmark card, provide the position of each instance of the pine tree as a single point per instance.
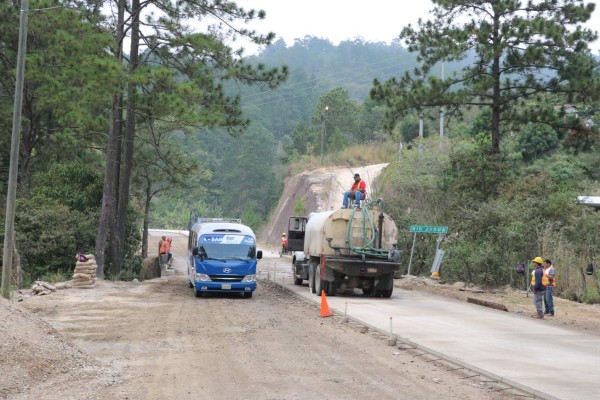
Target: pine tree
(520, 49)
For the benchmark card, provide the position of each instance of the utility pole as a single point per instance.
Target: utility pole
(323, 117)
(7, 258)
(442, 116)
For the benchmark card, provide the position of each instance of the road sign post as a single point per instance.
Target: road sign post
(440, 230)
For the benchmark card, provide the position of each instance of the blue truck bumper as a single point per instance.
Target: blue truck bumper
(234, 287)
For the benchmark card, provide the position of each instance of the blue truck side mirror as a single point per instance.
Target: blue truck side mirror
(259, 254)
(195, 251)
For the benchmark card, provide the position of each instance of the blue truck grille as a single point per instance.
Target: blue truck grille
(227, 278)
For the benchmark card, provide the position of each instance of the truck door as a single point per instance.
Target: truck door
(296, 228)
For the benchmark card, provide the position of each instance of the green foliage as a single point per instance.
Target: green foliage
(299, 206)
(132, 268)
(49, 235)
(250, 217)
(474, 174)
(172, 210)
(482, 124)
(591, 295)
(409, 128)
(536, 140)
(500, 68)
(59, 219)
(244, 170)
(69, 80)
(54, 277)
(75, 185)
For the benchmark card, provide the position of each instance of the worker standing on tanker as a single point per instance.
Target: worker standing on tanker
(358, 192)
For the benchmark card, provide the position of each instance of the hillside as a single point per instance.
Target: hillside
(317, 190)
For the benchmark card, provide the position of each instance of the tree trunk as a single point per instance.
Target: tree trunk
(146, 218)
(496, 89)
(106, 224)
(127, 160)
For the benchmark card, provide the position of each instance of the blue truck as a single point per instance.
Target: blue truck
(222, 256)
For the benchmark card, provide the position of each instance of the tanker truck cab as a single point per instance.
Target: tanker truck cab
(222, 257)
(296, 232)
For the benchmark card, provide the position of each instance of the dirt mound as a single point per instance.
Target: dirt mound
(35, 357)
(314, 191)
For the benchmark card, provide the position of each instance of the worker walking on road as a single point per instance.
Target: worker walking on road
(537, 286)
(550, 274)
(358, 192)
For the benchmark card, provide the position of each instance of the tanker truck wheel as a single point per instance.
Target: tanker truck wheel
(385, 286)
(318, 281)
(311, 277)
(297, 281)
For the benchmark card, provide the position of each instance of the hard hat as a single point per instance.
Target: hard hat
(538, 260)
(283, 234)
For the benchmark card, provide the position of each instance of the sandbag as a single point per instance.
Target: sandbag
(85, 286)
(85, 270)
(83, 263)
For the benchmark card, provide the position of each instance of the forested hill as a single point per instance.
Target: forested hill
(287, 122)
(317, 67)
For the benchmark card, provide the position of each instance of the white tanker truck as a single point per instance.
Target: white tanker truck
(345, 249)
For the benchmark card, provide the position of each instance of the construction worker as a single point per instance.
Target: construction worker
(537, 286)
(162, 251)
(169, 255)
(358, 192)
(284, 243)
(550, 274)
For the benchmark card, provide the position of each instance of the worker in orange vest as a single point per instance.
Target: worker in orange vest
(538, 286)
(284, 243)
(358, 192)
(169, 255)
(162, 251)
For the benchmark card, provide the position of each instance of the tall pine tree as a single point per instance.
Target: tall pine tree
(520, 49)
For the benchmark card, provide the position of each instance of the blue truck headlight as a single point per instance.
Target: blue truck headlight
(249, 278)
(202, 278)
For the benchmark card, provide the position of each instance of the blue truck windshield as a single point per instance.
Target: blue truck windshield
(227, 247)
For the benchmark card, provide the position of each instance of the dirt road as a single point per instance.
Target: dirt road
(155, 340)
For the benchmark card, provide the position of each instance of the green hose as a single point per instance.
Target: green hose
(368, 248)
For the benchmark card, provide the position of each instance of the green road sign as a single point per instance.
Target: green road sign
(428, 229)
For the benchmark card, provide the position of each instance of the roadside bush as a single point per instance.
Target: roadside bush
(299, 206)
(49, 236)
(591, 295)
(536, 140)
(59, 276)
(132, 268)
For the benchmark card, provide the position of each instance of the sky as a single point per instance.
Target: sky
(338, 20)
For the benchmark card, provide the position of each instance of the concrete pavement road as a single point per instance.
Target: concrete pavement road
(551, 362)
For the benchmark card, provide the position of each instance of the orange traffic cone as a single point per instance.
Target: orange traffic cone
(324, 306)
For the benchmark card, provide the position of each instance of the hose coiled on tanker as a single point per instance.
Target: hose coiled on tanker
(368, 249)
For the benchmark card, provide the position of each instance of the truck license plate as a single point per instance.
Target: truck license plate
(226, 286)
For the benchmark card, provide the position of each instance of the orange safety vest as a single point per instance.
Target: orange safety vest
(164, 247)
(361, 185)
(551, 280)
(544, 278)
